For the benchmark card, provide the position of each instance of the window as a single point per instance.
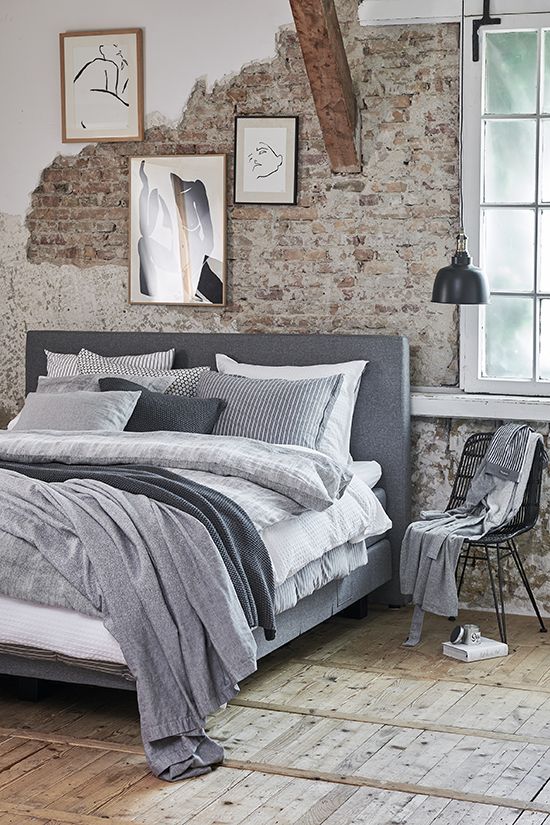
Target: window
(505, 347)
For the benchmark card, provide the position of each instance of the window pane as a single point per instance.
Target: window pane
(544, 239)
(546, 79)
(509, 249)
(545, 339)
(510, 161)
(511, 73)
(545, 161)
(509, 337)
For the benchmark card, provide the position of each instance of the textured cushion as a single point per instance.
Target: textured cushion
(77, 411)
(154, 411)
(90, 383)
(280, 412)
(336, 438)
(60, 364)
(184, 382)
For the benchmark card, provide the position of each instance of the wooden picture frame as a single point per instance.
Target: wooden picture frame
(101, 85)
(177, 230)
(266, 159)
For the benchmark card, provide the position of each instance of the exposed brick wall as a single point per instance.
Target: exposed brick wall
(358, 252)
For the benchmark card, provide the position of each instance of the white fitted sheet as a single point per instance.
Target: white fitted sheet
(57, 629)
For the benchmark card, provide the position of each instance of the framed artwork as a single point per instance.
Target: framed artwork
(102, 85)
(266, 159)
(177, 230)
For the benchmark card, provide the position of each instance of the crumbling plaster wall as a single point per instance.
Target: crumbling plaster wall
(357, 254)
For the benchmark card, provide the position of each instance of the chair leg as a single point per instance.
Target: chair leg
(521, 570)
(499, 608)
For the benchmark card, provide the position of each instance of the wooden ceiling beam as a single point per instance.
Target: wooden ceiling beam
(330, 80)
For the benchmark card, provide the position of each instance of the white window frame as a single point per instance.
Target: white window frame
(471, 318)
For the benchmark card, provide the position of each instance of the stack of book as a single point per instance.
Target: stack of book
(486, 649)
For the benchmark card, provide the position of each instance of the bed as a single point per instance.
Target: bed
(380, 432)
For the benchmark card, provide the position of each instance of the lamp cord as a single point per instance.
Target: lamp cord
(461, 122)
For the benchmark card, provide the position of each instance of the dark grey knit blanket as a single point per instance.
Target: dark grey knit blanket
(239, 544)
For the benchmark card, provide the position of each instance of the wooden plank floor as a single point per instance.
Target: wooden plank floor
(342, 726)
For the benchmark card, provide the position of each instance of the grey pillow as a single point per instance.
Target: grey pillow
(274, 409)
(77, 411)
(90, 383)
(155, 411)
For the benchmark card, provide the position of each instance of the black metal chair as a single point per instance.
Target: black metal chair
(501, 541)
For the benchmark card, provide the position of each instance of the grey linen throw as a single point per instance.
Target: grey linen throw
(431, 547)
(243, 552)
(158, 579)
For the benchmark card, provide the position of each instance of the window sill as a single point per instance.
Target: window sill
(438, 403)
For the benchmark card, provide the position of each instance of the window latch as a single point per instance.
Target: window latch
(486, 20)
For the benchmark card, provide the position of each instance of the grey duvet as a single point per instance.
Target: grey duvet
(153, 572)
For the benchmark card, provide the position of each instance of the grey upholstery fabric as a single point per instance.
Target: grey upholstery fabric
(155, 411)
(381, 423)
(77, 411)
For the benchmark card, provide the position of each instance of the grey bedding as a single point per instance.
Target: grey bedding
(239, 544)
(184, 636)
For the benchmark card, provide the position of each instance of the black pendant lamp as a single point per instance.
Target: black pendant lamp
(461, 283)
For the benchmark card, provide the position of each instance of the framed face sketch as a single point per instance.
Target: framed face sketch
(102, 85)
(177, 230)
(266, 155)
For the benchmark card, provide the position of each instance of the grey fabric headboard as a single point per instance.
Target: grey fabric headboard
(381, 425)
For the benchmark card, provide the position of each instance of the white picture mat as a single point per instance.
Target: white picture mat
(210, 169)
(110, 118)
(279, 133)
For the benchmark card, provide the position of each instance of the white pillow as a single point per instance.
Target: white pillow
(368, 471)
(335, 441)
(13, 422)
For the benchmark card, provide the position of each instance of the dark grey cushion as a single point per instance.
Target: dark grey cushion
(77, 411)
(273, 410)
(90, 383)
(155, 411)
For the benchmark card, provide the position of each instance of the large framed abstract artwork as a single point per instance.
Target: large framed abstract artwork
(177, 230)
(102, 85)
(266, 159)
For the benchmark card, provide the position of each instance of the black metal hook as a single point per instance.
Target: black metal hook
(486, 20)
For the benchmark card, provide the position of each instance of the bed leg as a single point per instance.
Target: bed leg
(357, 610)
(29, 689)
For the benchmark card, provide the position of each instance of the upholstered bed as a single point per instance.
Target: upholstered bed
(380, 432)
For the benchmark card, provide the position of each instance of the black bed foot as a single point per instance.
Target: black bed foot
(30, 689)
(357, 610)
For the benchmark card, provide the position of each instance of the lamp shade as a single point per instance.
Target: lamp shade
(460, 283)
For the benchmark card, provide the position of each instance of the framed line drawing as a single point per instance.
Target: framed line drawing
(178, 230)
(266, 159)
(101, 85)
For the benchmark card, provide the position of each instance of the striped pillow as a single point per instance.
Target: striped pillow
(184, 382)
(272, 410)
(61, 364)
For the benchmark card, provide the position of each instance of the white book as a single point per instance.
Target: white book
(486, 649)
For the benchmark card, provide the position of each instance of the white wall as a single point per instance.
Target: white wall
(183, 40)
